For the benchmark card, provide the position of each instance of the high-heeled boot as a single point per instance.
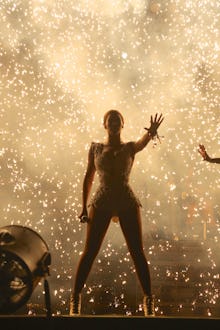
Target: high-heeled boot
(75, 304)
(148, 305)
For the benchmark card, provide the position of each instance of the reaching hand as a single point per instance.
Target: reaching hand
(203, 152)
(155, 123)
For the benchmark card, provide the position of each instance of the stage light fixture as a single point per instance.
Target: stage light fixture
(24, 261)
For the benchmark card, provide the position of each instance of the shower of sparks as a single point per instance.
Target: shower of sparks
(63, 65)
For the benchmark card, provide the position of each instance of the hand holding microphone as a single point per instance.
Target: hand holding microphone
(84, 219)
(84, 216)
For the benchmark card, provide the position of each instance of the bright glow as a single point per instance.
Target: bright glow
(63, 65)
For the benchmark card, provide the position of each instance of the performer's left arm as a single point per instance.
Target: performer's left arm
(151, 133)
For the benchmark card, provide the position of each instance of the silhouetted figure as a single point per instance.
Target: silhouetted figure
(206, 157)
(113, 160)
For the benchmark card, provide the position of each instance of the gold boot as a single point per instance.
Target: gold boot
(148, 305)
(75, 305)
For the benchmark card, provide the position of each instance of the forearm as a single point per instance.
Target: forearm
(87, 185)
(143, 142)
(214, 160)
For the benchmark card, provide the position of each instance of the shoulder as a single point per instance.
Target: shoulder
(131, 146)
(96, 147)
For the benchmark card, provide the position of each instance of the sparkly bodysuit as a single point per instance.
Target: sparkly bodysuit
(113, 168)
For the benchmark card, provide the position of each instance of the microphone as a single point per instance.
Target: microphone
(84, 219)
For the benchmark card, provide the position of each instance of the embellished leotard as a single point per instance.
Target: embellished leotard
(113, 168)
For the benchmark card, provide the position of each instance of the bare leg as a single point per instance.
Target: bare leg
(130, 222)
(96, 230)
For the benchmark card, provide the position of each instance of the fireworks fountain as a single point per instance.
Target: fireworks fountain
(63, 65)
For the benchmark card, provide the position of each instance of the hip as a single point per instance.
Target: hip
(115, 199)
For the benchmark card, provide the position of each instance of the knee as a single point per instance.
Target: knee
(138, 254)
(89, 254)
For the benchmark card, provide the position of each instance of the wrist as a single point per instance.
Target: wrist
(151, 132)
(207, 158)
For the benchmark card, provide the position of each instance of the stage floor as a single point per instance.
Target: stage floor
(105, 322)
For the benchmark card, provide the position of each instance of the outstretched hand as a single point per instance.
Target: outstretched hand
(203, 152)
(155, 123)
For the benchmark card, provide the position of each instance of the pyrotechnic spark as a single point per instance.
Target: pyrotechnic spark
(63, 65)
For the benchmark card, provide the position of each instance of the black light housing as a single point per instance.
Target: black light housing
(24, 261)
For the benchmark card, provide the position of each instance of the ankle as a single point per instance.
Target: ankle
(148, 305)
(75, 304)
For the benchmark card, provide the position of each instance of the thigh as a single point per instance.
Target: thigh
(130, 222)
(96, 227)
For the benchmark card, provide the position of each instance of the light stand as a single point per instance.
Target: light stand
(24, 261)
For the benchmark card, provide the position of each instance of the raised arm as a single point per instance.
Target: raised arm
(206, 157)
(151, 133)
(87, 185)
(215, 160)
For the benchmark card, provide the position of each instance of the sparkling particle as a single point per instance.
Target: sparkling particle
(63, 64)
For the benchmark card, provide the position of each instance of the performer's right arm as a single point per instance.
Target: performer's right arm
(87, 182)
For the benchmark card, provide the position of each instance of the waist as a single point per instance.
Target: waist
(114, 186)
(113, 181)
